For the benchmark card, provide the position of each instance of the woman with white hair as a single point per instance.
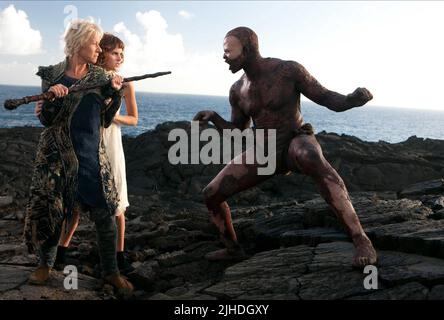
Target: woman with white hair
(111, 58)
(72, 171)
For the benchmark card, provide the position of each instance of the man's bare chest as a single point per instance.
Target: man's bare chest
(270, 94)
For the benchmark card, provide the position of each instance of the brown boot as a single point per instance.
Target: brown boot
(40, 275)
(123, 286)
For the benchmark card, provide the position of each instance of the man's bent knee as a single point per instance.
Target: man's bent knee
(308, 159)
(212, 197)
(209, 192)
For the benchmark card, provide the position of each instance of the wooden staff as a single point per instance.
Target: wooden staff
(12, 104)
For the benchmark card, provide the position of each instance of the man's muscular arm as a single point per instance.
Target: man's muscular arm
(312, 89)
(238, 119)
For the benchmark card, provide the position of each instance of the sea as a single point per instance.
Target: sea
(368, 123)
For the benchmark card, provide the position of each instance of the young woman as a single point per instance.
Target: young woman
(111, 58)
(72, 171)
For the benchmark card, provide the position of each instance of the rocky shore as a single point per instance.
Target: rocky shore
(296, 246)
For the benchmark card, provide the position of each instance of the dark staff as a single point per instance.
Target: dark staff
(12, 104)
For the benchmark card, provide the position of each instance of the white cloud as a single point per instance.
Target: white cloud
(16, 34)
(185, 14)
(156, 46)
(158, 50)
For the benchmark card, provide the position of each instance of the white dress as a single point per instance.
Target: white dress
(114, 149)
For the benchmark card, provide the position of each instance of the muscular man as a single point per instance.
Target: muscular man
(269, 94)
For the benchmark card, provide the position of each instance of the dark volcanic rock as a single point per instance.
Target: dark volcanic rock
(13, 286)
(325, 272)
(409, 291)
(427, 187)
(403, 224)
(5, 201)
(296, 245)
(144, 276)
(17, 152)
(383, 166)
(437, 293)
(364, 166)
(271, 274)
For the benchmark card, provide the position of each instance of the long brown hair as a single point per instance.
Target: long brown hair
(108, 43)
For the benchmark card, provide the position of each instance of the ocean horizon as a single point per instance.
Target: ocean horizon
(368, 123)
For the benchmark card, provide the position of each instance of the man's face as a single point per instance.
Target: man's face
(233, 53)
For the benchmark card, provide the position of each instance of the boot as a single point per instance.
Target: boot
(124, 265)
(123, 286)
(40, 275)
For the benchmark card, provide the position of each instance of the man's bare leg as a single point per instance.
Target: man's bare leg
(306, 155)
(231, 180)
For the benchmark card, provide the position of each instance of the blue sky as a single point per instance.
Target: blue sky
(395, 49)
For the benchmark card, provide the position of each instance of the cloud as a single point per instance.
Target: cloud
(185, 14)
(158, 50)
(16, 35)
(155, 46)
(19, 73)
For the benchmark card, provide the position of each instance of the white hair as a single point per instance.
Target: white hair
(78, 33)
